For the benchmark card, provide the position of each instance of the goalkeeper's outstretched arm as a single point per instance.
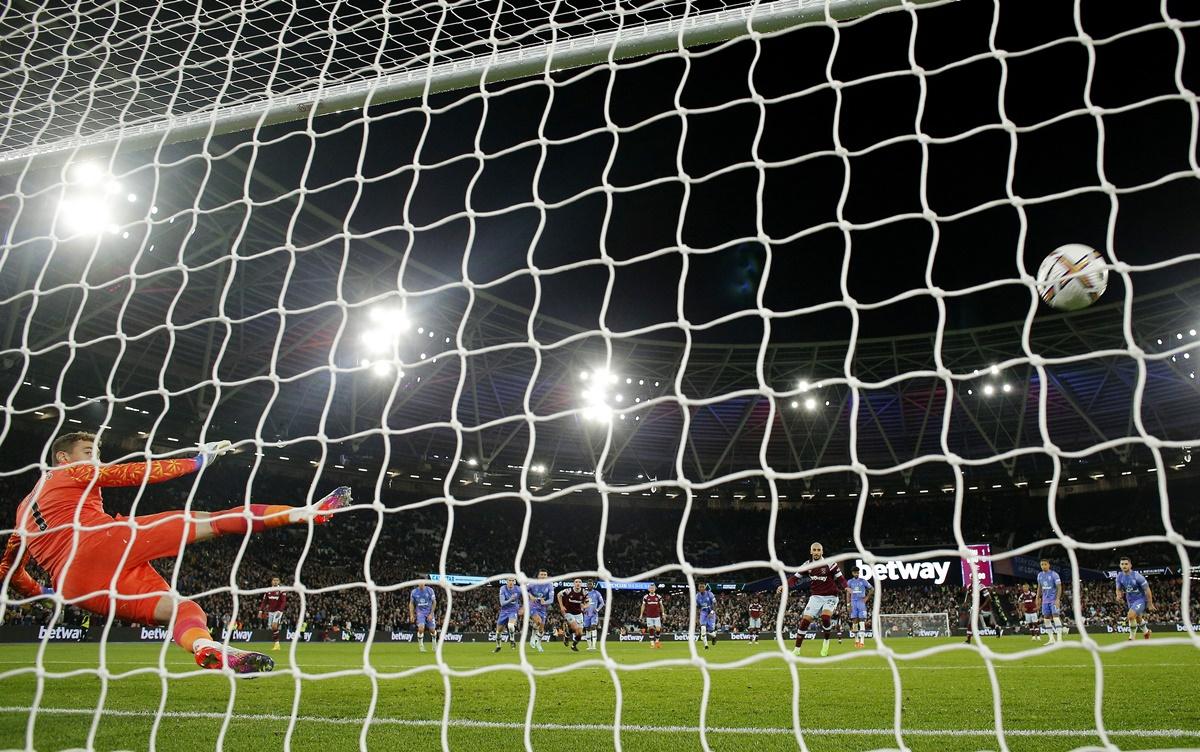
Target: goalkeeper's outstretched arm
(12, 570)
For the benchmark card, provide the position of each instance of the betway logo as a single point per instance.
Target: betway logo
(905, 570)
(60, 633)
(157, 634)
(631, 638)
(237, 635)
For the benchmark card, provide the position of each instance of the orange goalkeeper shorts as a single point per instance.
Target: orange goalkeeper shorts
(138, 587)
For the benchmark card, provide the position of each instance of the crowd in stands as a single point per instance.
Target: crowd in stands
(327, 573)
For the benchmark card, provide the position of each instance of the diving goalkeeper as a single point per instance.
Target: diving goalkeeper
(109, 567)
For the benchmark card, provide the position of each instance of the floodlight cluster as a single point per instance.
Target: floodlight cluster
(381, 339)
(809, 403)
(992, 389)
(91, 201)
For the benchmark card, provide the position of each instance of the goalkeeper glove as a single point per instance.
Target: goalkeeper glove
(210, 450)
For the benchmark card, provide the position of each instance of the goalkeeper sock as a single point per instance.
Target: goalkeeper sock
(190, 625)
(233, 521)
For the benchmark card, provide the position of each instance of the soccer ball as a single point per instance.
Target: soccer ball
(1073, 276)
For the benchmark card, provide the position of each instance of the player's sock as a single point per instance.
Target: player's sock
(190, 625)
(704, 635)
(1058, 628)
(1048, 629)
(800, 634)
(234, 522)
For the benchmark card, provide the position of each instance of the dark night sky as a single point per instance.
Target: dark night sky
(1142, 144)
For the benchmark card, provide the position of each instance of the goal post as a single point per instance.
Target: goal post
(935, 624)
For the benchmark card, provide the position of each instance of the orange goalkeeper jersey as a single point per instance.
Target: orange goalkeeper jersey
(47, 514)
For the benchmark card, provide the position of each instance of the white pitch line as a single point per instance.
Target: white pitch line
(466, 723)
(842, 666)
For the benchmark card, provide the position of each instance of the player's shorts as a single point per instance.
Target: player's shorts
(425, 619)
(507, 615)
(590, 620)
(1049, 609)
(708, 619)
(274, 619)
(1138, 607)
(755, 623)
(653, 622)
(858, 611)
(1031, 617)
(576, 619)
(98, 558)
(538, 611)
(818, 604)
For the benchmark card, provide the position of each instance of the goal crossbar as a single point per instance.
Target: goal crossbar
(497, 66)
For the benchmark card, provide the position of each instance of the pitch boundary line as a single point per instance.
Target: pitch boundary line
(633, 728)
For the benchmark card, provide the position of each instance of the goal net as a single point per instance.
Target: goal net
(915, 625)
(636, 293)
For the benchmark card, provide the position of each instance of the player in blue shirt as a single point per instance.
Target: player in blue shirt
(591, 616)
(859, 591)
(510, 609)
(541, 595)
(421, 603)
(1134, 591)
(707, 603)
(1049, 596)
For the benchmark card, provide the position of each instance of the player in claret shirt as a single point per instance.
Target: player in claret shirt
(755, 625)
(272, 606)
(987, 610)
(1134, 591)
(92, 556)
(1028, 600)
(826, 583)
(571, 603)
(652, 612)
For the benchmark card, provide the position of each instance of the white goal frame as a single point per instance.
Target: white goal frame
(933, 617)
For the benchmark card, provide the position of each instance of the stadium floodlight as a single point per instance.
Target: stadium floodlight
(810, 404)
(87, 173)
(995, 369)
(1007, 388)
(795, 404)
(376, 340)
(381, 368)
(472, 462)
(1192, 332)
(803, 385)
(989, 390)
(86, 215)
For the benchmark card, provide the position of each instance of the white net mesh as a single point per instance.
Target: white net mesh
(634, 292)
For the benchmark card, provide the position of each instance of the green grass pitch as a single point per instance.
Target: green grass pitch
(1151, 699)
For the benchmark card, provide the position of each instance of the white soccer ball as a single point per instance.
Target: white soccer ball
(1073, 276)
